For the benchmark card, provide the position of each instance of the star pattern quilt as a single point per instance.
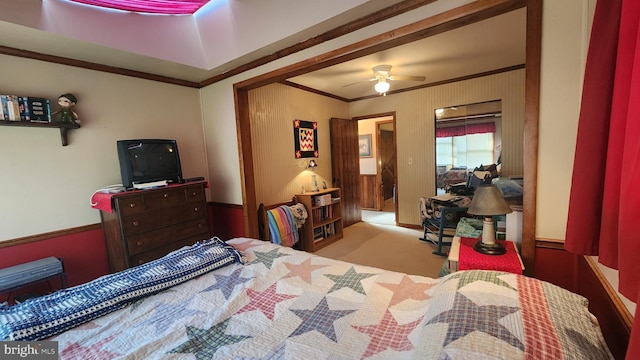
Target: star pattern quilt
(288, 304)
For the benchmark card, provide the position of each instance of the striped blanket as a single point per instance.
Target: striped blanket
(282, 226)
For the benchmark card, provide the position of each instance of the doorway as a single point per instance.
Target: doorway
(378, 169)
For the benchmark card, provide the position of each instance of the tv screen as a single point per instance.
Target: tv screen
(148, 160)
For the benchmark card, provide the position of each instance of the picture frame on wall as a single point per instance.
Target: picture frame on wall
(364, 145)
(305, 139)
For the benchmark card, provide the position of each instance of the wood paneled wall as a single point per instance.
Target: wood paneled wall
(273, 109)
(370, 192)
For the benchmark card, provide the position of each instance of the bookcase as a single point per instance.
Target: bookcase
(324, 221)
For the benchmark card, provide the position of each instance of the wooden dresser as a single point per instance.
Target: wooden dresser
(148, 224)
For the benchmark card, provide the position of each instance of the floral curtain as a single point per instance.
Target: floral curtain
(604, 201)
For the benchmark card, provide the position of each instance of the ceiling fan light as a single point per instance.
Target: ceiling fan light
(382, 86)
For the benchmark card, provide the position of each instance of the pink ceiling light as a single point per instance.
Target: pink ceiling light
(175, 7)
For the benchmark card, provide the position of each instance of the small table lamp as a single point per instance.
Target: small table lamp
(488, 201)
(312, 165)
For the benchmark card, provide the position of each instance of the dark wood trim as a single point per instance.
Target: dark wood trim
(444, 82)
(378, 115)
(549, 244)
(312, 90)
(49, 235)
(410, 226)
(448, 20)
(245, 154)
(532, 112)
(384, 14)
(94, 66)
(614, 318)
(378, 16)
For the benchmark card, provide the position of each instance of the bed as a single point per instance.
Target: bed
(451, 177)
(250, 299)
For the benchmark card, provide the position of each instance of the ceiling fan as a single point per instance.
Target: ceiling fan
(382, 74)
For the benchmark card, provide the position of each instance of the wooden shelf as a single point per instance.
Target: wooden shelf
(325, 220)
(64, 128)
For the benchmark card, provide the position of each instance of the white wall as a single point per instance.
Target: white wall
(368, 165)
(46, 187)
(565, 40)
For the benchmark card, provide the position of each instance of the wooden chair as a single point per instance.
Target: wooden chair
(263, 220)
(443, 227)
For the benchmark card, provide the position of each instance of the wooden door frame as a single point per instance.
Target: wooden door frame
(448, 20)
(391, 114)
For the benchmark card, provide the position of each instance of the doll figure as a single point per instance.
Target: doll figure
(66, 113)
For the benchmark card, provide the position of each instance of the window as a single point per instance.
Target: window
(468, 151)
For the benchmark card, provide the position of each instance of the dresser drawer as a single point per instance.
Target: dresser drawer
(164, 198)
(157, 253)
(160, 237)
(130, 205)
(195, 193)
(150, 220)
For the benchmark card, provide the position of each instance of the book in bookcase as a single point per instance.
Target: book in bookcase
(10, 107)
(324, 223)
(39, 109)
(25, 108)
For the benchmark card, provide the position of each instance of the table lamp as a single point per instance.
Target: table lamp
(488, 201)
(312, 165)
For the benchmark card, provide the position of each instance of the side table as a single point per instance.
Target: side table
(463, 257)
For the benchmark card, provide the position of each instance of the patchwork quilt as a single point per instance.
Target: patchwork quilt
(287, 304)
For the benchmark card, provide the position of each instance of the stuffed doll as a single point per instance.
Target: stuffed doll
(66, 114)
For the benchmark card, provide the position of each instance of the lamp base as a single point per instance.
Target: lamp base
(489, 249)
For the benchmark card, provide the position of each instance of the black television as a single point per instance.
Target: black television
(148, 160)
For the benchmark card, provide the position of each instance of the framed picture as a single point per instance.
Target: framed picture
(364, 144)
(305, 139)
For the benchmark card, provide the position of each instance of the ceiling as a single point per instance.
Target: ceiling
(485, 46)
(480, 47)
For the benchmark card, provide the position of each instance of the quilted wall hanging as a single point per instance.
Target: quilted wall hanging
(305, 138)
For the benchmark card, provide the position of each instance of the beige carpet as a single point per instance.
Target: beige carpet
(387, 247)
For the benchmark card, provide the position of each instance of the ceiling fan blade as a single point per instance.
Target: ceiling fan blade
(407, 78)
(360, 82)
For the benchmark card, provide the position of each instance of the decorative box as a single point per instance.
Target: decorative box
(323, 200)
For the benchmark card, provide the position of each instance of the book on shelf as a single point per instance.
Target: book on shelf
(39, 109)
(11, 107)
(318, 234)
(24, 109)
(329, 230)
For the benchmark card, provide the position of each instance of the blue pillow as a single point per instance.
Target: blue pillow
(43, 317)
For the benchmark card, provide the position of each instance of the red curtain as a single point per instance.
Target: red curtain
(604, 203)
(168, 7)
(466, 130)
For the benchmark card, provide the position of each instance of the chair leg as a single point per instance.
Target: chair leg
(439, 247)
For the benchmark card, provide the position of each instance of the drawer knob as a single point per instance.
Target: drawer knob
(200, 226)
(194, 193)
(166, 195)
(196, 209)
(139, 243)
(132, 205)
(135, 223)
